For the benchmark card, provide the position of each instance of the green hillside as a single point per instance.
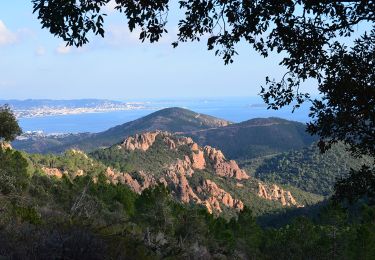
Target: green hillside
(307, 168)
(81, 215)
(255, 137)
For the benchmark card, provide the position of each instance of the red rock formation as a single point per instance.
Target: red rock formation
(195, 147)
(78, 173)
(75, 151)
(213, 154)
(176, 174)
(212, 204)
(223, 167)
(53, 172)
(5, 145)
(278, 194)
(184, 141)
(198, 161)
(140, 141)
(217, 195)
(124, 178)
(171, 144)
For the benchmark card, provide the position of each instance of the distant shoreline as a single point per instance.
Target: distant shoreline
(67, 112)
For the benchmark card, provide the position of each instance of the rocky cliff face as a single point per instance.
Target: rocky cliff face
(274, 192)
(197, 156)
(223, 167)
(53, 172)
(58, 173)
(177, 176)
(140, 141)
(217, 196)
(5, 145)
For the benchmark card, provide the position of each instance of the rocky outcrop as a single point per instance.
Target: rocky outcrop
(216, 196)
(176, 175)
(276, 193)
(185, 141)
(170, 143)
(79, 152)
(223, 167)
(116, 177)
(140, 141)
(79, 173)
(53, 172)
(198, 160)
(192, 159)
(145, 140)
(214, 154)
(5, 145)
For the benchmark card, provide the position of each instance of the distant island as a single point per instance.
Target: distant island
(40, 108)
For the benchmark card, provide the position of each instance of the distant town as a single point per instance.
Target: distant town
(34, 108)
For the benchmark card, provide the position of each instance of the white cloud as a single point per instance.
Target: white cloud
(63, 49)
(6, 36)
(40, 51)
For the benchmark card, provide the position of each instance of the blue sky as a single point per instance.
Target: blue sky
(34, 64)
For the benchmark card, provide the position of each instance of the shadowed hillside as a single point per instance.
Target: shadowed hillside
(255, 137)
(249, 139)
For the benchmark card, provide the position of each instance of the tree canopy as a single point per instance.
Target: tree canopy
(9, 128)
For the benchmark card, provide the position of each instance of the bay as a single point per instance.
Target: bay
(233, 109)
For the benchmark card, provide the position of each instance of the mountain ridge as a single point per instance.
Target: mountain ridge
(190, 123)
(169, 119)
(194, 174)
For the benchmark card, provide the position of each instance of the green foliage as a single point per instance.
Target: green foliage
(90, 212)
(117, 223)
(255, 138)
(112, 194)
(29, 214)
(359, 184)
(14, 175)
(153, 207)
(307, 169)
(346, 111)
(9, 128)
(70, 161)
(154, 160)
(248, 234)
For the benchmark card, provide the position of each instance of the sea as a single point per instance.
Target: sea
(236, 109)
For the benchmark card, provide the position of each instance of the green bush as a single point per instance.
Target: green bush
(14, 175)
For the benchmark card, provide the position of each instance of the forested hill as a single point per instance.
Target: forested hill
(248, 139)
(255, 137)
(170, 119)
(306, 168)
(173, 119)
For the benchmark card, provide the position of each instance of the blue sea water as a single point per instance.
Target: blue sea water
(232, 109)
